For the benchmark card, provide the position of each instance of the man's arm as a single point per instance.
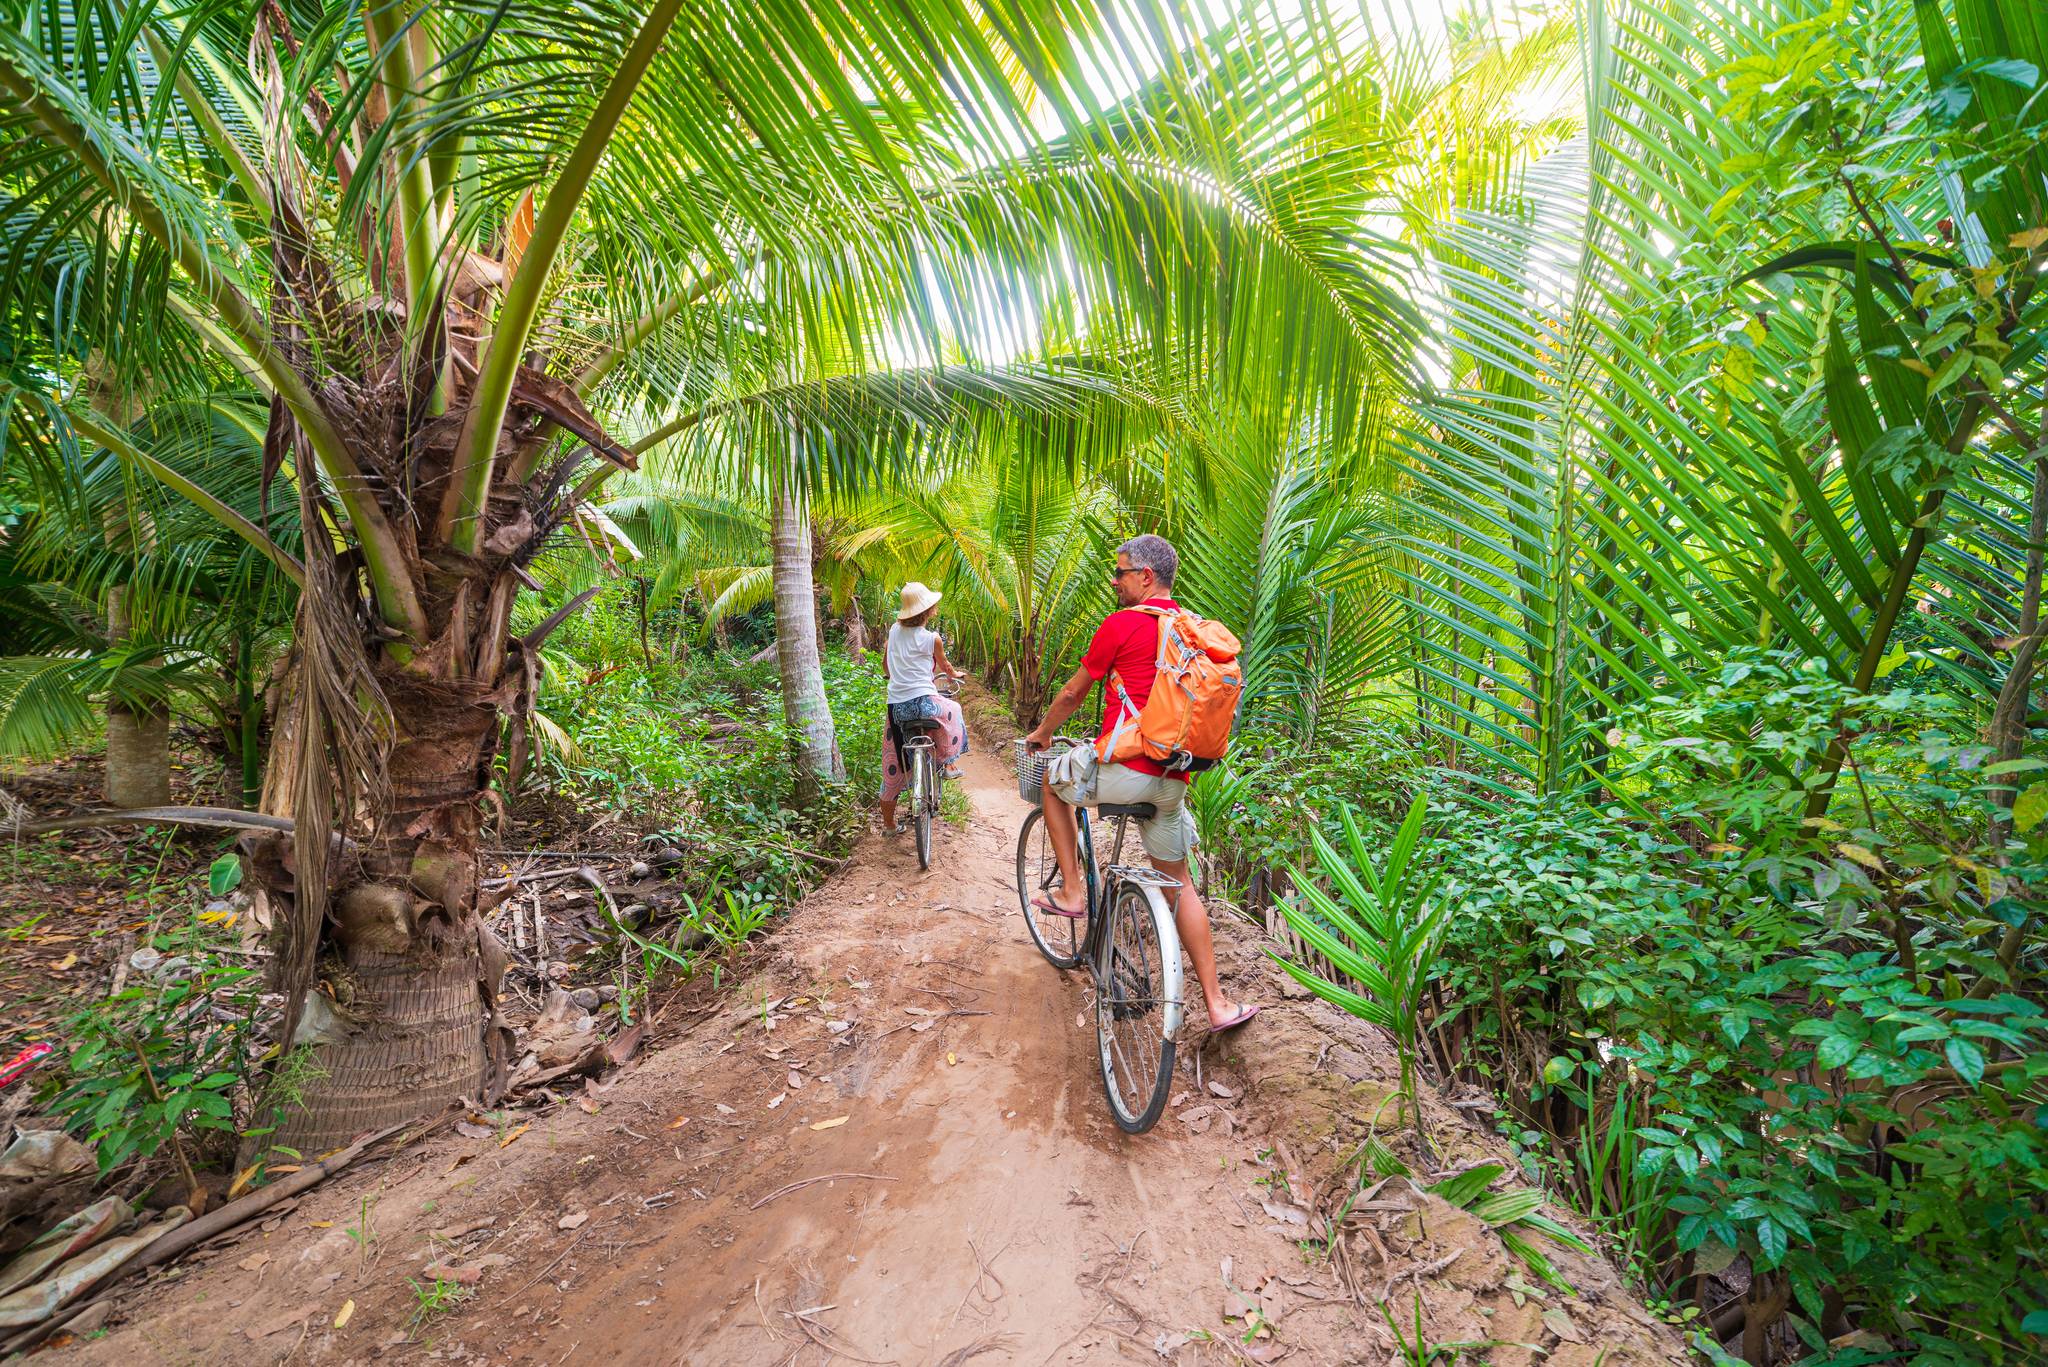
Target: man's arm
(1061, 707)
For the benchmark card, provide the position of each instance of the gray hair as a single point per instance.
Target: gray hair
(1154, 553)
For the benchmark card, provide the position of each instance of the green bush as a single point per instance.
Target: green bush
(1256, 812)
(698, 752)
(163, 1060)
(1820, 1064)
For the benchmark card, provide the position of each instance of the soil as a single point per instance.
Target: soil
(888, 1143)
(73, 903)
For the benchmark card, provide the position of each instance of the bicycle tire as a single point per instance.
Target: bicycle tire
(1133, 1034)
(926, 804)
(1059, 938)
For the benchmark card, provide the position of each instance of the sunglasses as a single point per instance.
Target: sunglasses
(1119, 572)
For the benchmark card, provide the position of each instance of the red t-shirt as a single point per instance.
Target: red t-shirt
(1128, 642)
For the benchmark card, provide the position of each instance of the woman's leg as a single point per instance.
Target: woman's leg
(952, 732)
(894, 778)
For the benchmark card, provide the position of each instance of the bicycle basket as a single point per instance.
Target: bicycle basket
(1030, 775)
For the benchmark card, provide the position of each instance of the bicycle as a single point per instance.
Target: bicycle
(921, 763)
(1127, 938)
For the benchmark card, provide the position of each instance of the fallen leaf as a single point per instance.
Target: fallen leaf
(780, 1097)
(833, 1123)
(64, 964)
(348, 1308)
(679, 1122)
(573, 1220)
(1561, 1325)
(1293, 1215)
(723, 1109)
(796, 1080)
(469, 1131)
(254, 1262)
(623, 1049)
(919, 1011)
(919, 1027)
(587, 1106)
(515, 1134)
(323, 1224)
(1218, 1089)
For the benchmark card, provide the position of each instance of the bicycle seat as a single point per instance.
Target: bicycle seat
(1143, 811)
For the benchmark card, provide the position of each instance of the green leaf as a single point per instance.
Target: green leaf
(1967, 1059)
(1771, 1240)
(1463, 1188)
(225, 875)
(2030, 806)
(1836, 1050)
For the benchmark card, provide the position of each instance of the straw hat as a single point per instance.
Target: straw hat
(916, 598)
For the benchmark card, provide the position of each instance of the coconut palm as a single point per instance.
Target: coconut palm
(136, 623)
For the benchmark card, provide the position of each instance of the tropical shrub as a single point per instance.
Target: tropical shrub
(1823, 1070)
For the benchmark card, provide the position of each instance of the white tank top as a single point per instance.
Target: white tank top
(910, 662)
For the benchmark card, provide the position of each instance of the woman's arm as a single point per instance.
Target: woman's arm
(939, 660)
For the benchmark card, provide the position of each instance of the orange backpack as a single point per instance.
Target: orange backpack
(1185, 723)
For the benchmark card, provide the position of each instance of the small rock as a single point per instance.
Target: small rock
(608, 993)
(451, 1272)
(1218, 1089)
(639, 868)
(573, 1220)
(586, 997)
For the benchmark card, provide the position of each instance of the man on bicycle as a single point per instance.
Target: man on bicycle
(1128, 643)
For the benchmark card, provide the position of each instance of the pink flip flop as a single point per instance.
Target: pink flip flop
(1043, 902)
(1244, 1013)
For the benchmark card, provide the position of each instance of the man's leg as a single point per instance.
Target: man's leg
(1065, 832)
(1192, 919)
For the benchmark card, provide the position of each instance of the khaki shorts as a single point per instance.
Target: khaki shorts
(1080, 780)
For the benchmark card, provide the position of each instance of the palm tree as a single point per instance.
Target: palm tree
(136, 624)
(419, 234)
(1675, 427)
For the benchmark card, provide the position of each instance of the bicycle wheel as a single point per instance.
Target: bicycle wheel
(925, 796)
(1058, 937)
(1133, 1000)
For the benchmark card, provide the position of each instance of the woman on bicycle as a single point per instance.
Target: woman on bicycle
(912, 661)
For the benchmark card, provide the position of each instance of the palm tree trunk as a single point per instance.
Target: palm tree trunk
(813, 745)
(138, 756)
(138, 737)
(856, 629)
(402, 1021)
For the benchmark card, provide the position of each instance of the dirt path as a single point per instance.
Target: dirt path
(903, 1028)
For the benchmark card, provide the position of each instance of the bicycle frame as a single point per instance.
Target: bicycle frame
(1094, 947)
